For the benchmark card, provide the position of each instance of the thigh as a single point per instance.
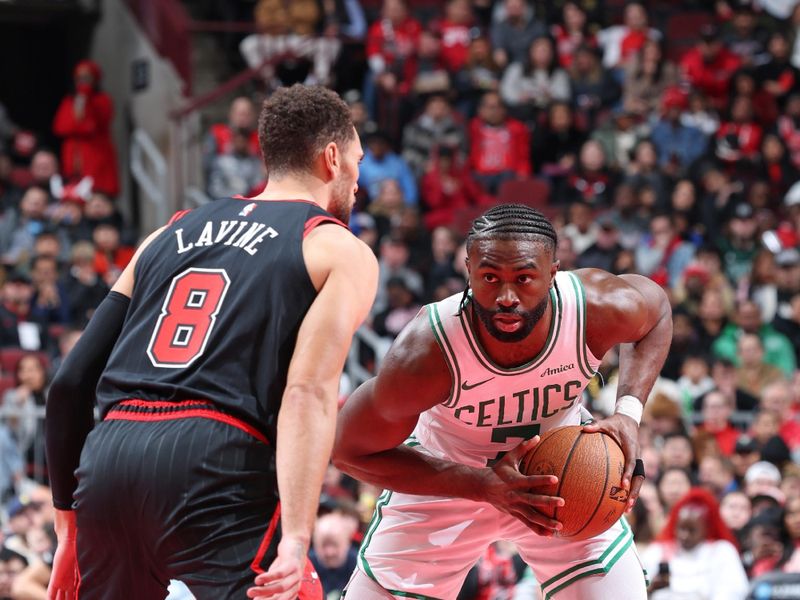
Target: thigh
(624, 581)
(228, 528)
(560, 564)
(422, 546)
(113, 555)
(361, 587)
(190, 499)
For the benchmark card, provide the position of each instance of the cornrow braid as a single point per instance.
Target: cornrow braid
(510, 221)
(506, 221)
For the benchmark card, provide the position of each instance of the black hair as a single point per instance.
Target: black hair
(295, 125)
(513, 221)
(7, 555)
(510, 222)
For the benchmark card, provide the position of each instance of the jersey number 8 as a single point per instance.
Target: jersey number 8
(187, 318)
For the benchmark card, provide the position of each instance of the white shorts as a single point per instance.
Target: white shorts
(422, 547)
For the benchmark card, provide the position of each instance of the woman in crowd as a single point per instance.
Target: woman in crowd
(695, 555)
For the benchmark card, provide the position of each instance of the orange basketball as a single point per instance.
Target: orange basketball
(589, 468)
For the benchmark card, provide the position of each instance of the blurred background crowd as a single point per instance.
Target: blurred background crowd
(661, 138)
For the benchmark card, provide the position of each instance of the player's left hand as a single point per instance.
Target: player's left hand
(64, 578)
(625, 430)
(285, 575)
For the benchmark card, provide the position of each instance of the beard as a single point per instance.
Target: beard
(342, 201)
(529, 320)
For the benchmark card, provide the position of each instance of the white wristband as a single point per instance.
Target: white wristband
(630, 406)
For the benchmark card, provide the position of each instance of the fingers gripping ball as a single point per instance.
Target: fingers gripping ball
(589, 467)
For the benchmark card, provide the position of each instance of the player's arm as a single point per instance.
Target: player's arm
(381, 414)
(347, 272)
(642, 318)
(69, 415)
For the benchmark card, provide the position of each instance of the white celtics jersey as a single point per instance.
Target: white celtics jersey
(491, 409)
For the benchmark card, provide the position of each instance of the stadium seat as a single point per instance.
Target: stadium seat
(683, 31)
(531, 192)
(6, 383)
(9, 357)
(462, 220)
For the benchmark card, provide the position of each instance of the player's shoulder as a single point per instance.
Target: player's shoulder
(604, 289)
(336, 243)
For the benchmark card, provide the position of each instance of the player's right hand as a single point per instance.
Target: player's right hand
(522, 496)
(65, 577)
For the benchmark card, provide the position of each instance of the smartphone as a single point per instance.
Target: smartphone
(663, 568)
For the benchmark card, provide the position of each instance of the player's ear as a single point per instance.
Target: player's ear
(332, 157)
(553, 270)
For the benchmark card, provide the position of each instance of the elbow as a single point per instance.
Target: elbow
(63, 386)
(345, 463)
(342, 457)
(309, 396)
(339, 461)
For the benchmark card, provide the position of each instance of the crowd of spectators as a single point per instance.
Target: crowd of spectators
(63, 243)
(661, 138)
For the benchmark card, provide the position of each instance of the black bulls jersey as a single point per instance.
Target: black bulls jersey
(218, 299)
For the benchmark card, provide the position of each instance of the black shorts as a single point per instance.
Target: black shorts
(174, 491)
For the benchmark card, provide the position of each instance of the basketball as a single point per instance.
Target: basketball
(589, 468)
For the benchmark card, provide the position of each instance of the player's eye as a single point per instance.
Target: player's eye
(490, 278)
(524, 279)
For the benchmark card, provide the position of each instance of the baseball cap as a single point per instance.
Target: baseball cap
(17, 506)
(788, 257)
(763, 470)
(745, 445)
(696, 270)
(742, 211)
(606, 221)
(363, 221)
(17, 276)
(674, 98)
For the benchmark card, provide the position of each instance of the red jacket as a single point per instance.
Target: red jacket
(223, 139)
(118, 260)
(443, 201)
(87, 147)
(497, 149)
(725, 438)
(748, 137)
(455, 44)
(712, 78)
(397, 46)
(567, 43)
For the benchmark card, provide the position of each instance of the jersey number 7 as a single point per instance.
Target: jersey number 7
(187, 318)
(502, 434)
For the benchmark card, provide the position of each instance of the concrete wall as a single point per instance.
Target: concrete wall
(118, 43)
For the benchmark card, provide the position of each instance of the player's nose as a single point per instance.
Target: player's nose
(507, 296)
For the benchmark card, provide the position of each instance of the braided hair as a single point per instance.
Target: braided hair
(513, 221)
(507, 222)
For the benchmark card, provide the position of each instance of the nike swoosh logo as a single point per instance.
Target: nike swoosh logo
(466, 386)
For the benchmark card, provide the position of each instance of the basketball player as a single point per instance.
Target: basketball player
(218, 355)
(441, 425)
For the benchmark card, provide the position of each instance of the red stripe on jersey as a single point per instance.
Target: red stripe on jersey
(178, 215)
(265, 541)
(121, 415)
(319, 220)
